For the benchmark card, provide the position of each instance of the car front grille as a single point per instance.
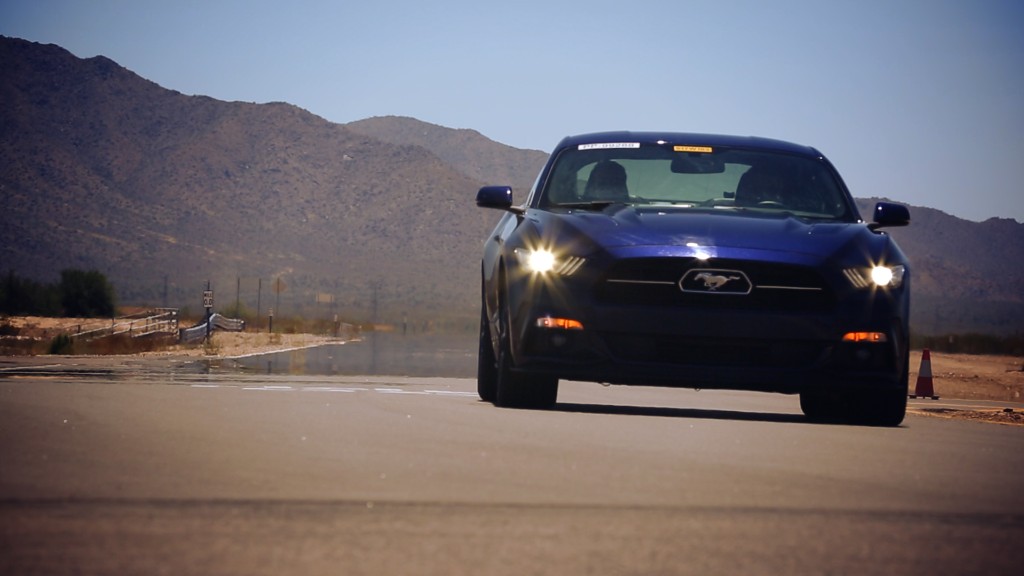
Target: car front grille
(704, 352)
(750, 285)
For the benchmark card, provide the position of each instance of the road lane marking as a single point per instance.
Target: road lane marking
(344, 389)
(451, 393)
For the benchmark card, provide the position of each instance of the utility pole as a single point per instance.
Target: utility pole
(279, 286)
(376, 287)
(277, 293)
(259, 296)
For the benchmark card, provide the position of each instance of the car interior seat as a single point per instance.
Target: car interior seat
(760, 184)
(607, 182)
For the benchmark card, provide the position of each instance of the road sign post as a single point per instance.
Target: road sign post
(208, 304)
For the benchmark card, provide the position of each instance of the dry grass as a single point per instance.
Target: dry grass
(971, 377)
(233, 344)
(34, 333)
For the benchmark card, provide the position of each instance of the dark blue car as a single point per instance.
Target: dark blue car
(694, 260)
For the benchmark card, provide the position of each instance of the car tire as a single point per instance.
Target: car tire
(514, 389)
(882, 408)
(486, 363)
(821, 406)
(886, 407)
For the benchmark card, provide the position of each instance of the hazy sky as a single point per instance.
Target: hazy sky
(921, 101)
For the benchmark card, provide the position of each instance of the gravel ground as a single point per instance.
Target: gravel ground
(972, 377)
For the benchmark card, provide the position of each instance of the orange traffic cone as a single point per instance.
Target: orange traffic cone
(924, 387)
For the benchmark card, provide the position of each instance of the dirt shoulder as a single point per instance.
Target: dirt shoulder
(235, 344)
(970, 377)
(222, 344)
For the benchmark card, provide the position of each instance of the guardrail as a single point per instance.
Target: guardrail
(156, 321)
(216, 321)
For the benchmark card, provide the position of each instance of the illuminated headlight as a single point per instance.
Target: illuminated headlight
(544, 261)
(891, 276)
(881, 276)
(539, 260)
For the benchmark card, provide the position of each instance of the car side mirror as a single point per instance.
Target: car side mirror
(499, 197)
(890, 214)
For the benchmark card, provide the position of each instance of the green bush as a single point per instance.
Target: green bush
(86, 293)
(81, 293)
(21, 296)
(62, 344)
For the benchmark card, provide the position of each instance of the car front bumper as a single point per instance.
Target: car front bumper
(767, 351)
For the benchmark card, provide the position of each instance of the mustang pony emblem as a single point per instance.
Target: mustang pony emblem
(714, 281)
(705, 281)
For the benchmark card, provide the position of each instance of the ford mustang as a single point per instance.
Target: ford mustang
(695, 260)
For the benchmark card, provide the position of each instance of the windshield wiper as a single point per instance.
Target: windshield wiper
(593, 205)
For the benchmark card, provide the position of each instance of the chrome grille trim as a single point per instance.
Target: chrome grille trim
(804, 288)
(620, 281)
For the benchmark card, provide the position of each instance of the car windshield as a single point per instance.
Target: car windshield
(697, 177)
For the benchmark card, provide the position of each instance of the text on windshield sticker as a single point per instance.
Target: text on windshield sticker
(701, 149)
(608, 145)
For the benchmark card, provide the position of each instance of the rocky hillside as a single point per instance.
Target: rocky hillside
(100, 168)
(103, 169)
(967, 275)
(466, 150)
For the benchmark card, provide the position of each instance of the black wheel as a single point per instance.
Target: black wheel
(517, 390)
(881, 407)
(486, 363)
(884, 407)
(822, 406)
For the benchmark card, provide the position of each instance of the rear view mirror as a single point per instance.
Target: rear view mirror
(499, 197)
(697, 164)
(494, 197)
(889, 214)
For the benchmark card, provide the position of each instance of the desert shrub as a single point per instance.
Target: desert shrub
(62, 344)
(86, 294)
(24, 296)
(972, 344)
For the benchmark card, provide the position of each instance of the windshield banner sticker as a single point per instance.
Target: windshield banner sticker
(701, 149)
(609, 145)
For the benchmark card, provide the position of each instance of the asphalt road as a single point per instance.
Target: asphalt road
(129, 472)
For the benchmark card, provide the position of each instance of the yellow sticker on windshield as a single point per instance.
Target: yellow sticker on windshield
(701, 149)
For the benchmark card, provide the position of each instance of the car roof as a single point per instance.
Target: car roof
(692, 139)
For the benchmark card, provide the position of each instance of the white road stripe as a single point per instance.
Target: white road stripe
(348, 390)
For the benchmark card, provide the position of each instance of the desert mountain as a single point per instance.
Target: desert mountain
(103, 169)
(967, 275)
(468, 151)
(100, 168)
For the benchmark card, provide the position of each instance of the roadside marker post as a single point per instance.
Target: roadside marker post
(208, 304)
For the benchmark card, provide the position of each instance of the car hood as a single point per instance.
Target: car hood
(718, 230)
